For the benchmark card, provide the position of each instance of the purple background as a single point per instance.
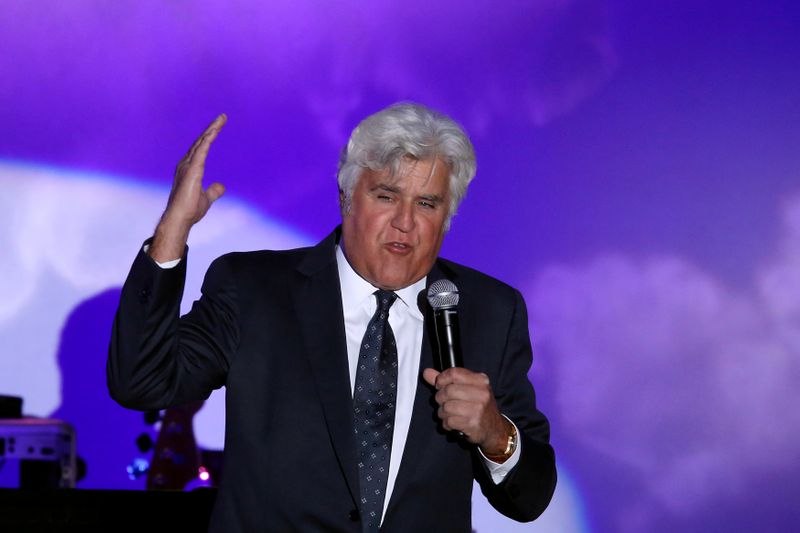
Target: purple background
(638, 179)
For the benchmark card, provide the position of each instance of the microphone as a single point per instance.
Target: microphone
(443, 297)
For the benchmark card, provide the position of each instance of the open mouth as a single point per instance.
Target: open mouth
(398, 247)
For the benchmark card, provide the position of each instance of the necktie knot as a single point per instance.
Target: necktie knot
(385, 299)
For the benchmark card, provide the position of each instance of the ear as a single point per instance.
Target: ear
(342, 202)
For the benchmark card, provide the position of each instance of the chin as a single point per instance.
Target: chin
(392, 283)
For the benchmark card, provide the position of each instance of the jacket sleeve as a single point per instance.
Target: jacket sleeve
(156, 359)
(528, 488)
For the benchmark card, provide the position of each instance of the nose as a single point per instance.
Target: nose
(403, 218)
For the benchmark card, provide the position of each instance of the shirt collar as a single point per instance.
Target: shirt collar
(356, 289)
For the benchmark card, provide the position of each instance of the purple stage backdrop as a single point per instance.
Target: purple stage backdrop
(638, 180)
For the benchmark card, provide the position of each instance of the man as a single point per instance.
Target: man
(336, 420)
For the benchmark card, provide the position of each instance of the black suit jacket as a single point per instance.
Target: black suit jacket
(269, 327)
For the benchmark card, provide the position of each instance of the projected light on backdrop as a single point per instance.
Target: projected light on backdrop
(69, 241)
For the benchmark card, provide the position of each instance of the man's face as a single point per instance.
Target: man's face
(395, 226)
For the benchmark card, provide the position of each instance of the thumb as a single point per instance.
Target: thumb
(430, 375)
(214, 191)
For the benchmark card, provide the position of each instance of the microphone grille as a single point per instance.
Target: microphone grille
(443, 294)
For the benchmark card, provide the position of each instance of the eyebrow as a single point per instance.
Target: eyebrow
(435, 198)
(385, 187)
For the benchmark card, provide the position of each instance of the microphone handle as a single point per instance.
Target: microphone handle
(449, 340)
(448, 337)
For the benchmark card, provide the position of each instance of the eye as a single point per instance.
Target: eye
(384, 198)
(427, 205)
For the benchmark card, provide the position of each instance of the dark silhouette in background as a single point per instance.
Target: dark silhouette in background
(106, 433)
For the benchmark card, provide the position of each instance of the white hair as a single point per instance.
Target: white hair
(403, 131)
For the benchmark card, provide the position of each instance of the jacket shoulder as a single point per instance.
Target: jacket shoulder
(471, 281)
(262, 260)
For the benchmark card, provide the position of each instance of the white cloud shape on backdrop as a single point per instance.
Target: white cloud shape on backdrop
(68, 236)
(692, 383)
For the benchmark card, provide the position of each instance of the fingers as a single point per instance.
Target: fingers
(208, 135)
(458, 423)
(189, 200)
(429, 375)
(466, 417)
(460, 376)
(214, 191)
(205, 140)
(201, 146)
(195, 159)
(457, 409)
(471, 393)
(465, 400)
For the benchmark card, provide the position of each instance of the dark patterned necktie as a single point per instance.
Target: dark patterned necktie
(374, 398)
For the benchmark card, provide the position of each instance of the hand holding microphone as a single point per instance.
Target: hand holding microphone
(465, 398)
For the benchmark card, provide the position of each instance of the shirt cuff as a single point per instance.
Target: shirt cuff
(166, 264)
(499, 471)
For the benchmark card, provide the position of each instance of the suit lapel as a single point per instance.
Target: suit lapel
(317, 303)
(423, 419)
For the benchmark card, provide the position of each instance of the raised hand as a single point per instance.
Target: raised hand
(188, 200)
